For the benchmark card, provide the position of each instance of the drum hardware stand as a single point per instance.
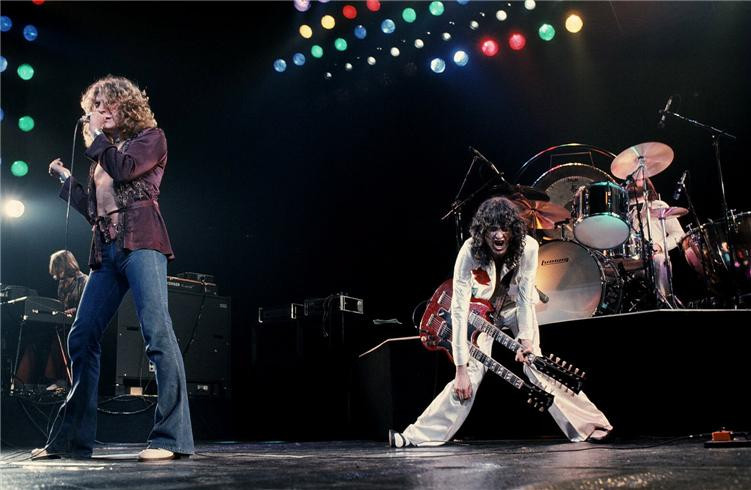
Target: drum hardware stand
(674, 301)
(729, 227)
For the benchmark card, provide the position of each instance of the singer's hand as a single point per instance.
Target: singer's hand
(96, 123)
(524, 350)
(56, 169)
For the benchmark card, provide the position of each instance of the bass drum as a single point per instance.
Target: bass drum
(579, 283)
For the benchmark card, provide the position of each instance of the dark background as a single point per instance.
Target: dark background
(287, 186)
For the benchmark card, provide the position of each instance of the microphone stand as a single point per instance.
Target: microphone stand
(456, 207)
(727, 217)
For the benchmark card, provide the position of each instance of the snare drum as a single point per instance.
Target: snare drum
(579, 282)
(601, 215)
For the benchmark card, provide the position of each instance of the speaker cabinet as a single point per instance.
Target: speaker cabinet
(202, 326)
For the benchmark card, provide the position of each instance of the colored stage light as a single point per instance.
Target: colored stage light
(280, 65)
(462, 2)
(37, 2)
(419, 43)
(474, 25)
(489, 47)
(409, 15)
(348, 66)
(501, 15)
(2, 114)
(395, 52)
(19, 168)
(446, 36)
(26, 123)
(546, 32)
(437, 65)
(360, 32)
(5, 23)
(371, 61)
(13, 208)
(517, 41)
(373, 5)
(461, 58)
(306, 31)
(340, 44)
(3, 64)
(574, 23)
(25, 71)
(328, 75)
(316, 51)
(530, 4)
(436, 8)
(328, 22)
(302, 5)
(30, 32)
(298, 59)
(349, 12)
(388, 26)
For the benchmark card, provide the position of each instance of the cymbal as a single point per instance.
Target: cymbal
(671, 212)
(657, 157)
(541, 215)
(523, 190)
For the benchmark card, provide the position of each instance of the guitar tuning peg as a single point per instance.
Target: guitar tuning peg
(563, 364)
(550, 356)
(576, 371)
(557, 360)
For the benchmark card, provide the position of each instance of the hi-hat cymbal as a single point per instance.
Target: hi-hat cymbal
(657, 157)
(671, 212)
(523, 190)
(541, 215)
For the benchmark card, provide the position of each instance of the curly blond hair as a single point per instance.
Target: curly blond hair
(125, 98)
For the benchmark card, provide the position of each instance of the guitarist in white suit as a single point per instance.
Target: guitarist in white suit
(497, 263)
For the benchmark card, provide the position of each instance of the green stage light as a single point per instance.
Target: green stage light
(25, 71)
(546, 32)
(340, 44)
(26, 123)
(316, 51)
(19, 168)
(409, 15)
(436, 8)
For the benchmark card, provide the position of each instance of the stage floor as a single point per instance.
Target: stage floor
(538, 464)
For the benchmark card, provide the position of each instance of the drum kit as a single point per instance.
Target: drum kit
(597, 246)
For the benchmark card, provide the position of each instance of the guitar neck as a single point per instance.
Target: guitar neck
(496, 367)
(485, 326)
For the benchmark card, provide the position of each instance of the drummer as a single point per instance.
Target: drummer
(673, 229)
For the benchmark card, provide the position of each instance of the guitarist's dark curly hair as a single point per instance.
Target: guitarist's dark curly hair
(497, 212)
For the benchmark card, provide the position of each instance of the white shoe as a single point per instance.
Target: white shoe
(397, 439)
(156, 454)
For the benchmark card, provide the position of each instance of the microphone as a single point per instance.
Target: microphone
(84, 118)
(482, 157)
(679, 187)
(661, 123)
(543, 297)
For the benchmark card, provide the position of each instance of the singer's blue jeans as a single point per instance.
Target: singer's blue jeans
(145, 273)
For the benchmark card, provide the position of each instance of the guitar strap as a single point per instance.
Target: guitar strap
(500, 295)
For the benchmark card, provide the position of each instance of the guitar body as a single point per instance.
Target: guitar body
(436, 334)
(480, 319)
(432, 319)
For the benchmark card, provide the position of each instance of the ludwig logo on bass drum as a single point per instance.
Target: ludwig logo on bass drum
(555, 261)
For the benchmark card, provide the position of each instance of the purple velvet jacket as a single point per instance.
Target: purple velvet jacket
(137, 170)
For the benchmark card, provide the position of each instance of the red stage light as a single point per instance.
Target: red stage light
(373, 5)
(517, 41)
(349, 12)
(37, 2)
(489, 47)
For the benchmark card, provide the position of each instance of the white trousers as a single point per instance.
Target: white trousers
(575, 414)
